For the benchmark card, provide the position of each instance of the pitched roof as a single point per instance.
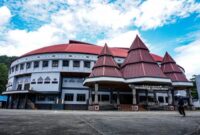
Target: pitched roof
(139, 62)
(172, 70)
(105, 65)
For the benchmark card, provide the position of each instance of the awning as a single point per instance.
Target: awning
(15, 92)
(3, 98)
(28, 91)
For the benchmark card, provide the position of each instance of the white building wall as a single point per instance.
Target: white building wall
(45, 87)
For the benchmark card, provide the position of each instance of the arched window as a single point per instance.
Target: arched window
(33, 81)
(55, 81)
(47, 80)
(40, 80)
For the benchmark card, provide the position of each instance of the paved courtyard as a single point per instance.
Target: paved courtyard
(27, 122)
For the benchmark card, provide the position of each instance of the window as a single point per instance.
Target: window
(55, 81)
(69, 97)
(36, 64)
(55, 63)
(19, 87)
(16, 68)
(45, 64)
(33, 81)
(41, 98)
(27, 86)
(160, 99)
(40, 80)
(80, 97)
(47, 80)
(21, 66)
(28, 65)
(104, 97)
(76, 64)
(150, 99)
(65, 63)
(166, 99)
(12, 69)
(51, 98)
(142, 98)
(87, 64)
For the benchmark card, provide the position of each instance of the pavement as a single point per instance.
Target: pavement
(40, 122)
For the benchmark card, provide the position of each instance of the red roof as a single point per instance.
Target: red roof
(172, 70)
(85, 48)
(139, 62)
(105, 65)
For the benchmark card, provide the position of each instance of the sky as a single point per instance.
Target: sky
(164, 25)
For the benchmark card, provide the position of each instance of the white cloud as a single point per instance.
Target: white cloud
(155, 13)
(5, 15)
(188, 56)
(120, 39)
(66, 19)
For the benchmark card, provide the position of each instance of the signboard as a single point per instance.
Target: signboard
(150, 87)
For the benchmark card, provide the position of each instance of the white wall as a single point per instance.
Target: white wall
(43, 86)
(56, 56)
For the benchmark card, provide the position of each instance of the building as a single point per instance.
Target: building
(79, 75)
(197, 103)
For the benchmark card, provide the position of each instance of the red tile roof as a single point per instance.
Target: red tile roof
(172, 70)
(85, 48)
(105, 65)
(139, 62)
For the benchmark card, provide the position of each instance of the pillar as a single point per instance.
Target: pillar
(96, 87)
(169, 97)
(189, 96)
(173, 98)
(111, 96)
(90, 97)
(134, 96)
(146, 94)
(134, 105)
(170, 100)
(26, 99)
(96, 101)
(154, 96)
(118, 98)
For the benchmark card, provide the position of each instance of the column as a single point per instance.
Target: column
(134, 103)
(90, 97)
(146, 94)
(26, 99)
(134, 96)
(96, 101)
(169, 97)
(96, 87)
(8, 102)
(111, 96)
(189, 96)
(154, 96)
(173, 98)
(118, 98)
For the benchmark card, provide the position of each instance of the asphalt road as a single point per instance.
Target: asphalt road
(28, 122)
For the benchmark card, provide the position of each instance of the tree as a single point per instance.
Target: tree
(194, 87)
(3, 77)
(5, 62)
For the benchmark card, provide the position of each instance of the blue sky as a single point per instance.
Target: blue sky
(164, 25)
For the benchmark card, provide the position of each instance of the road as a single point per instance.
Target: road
(40, 122)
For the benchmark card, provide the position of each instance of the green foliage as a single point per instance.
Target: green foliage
(5, 62)
(194, 88)
(3, 77)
